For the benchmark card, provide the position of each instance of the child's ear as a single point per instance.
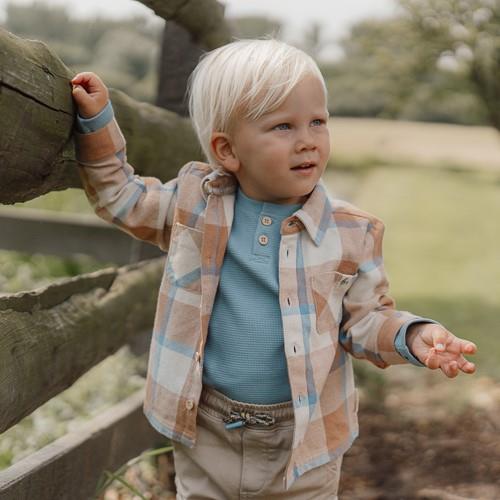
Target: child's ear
(223, 151)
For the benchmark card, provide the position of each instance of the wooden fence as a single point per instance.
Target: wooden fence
(51, 336)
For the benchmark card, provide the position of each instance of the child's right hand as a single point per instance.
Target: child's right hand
(89, 93)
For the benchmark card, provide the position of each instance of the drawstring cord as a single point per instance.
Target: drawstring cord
(239, 419)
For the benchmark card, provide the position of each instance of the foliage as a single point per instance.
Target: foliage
(388, 71)
(465, 34)
(254, 27)
(435, 60)
(21, 271)
(108, 477)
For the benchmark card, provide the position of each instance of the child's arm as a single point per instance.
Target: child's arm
(371, 323)
(141, 206)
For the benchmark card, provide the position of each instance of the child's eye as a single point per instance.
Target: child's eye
(282, 126)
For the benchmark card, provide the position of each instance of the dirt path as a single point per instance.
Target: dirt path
(429, 438)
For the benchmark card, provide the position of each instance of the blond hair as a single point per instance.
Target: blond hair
(243, 79)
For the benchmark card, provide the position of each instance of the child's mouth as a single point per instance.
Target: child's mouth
(304, 167)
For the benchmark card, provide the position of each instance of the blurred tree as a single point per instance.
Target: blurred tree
(465, 36)
(123, 52)
(179, 56)
(313, 40)
(379, 55)
(39, 20)
(121, 49)
(181, 52)
(383, 75)
(254, 27)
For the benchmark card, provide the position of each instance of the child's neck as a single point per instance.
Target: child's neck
(272, 203)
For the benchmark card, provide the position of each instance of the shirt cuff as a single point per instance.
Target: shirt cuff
(400, 340)
(96, 122)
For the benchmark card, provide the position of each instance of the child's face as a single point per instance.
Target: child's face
(280, 157)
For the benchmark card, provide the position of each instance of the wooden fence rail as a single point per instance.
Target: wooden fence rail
(51, 336)
(64, 235)
(70, 467)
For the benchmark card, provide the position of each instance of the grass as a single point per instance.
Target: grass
(22, 271)
(441, 247)
(69, 200)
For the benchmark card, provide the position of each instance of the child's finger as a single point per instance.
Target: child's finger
(439, 339)
(450, 369)
(469, 367)
(90, 81)
(468, 347)
(432, 360)
(77, 87)
(80, 77)
(80, 93)
(465, 365)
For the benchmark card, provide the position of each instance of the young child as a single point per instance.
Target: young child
(268, 284)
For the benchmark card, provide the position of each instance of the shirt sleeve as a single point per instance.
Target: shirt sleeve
(141, 206)
(96, 122)
(401, 344)
(370, 321)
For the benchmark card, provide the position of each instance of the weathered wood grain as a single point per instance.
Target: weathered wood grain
(37, 118)
(70, 467)
(51, 336)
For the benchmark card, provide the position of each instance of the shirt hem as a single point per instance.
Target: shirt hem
(168, 431)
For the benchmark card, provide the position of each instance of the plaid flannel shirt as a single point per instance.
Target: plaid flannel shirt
(333, 293)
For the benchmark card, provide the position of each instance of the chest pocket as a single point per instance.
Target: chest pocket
(328, 290)
(183, 266)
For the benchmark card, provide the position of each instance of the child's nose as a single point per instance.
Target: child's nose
(305, 140)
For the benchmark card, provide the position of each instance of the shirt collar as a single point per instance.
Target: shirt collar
(218, 182)
(315, 213)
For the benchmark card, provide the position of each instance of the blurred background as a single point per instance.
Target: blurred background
(414, 95)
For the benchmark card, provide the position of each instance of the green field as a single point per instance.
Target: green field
(444, 256)
(442, 242)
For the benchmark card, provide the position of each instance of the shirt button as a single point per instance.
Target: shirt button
(263, 239)
(189, 404)
(266, 221)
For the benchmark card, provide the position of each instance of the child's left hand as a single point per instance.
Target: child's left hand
(436, 347)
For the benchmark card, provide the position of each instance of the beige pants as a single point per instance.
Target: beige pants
(248, 460)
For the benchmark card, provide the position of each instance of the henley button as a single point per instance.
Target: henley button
(189, 404)
(266, 221)
(263, 239)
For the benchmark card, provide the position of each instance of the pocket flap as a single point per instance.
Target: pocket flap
(328, 290)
